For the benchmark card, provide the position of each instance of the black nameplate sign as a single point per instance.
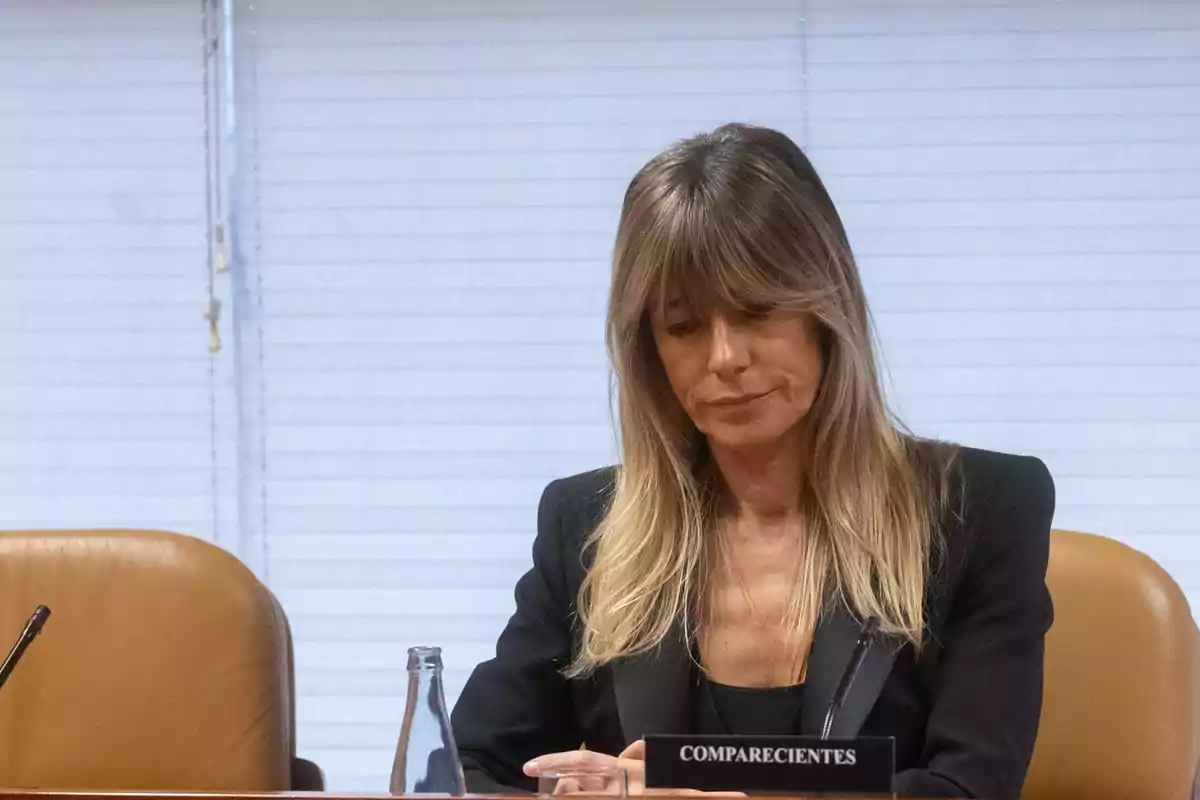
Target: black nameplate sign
(771, 764)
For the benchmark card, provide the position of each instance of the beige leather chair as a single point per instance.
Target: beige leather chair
(165, 664)
(1122, 698)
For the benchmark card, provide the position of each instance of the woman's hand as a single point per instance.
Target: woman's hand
(593, 773)
(605, 769)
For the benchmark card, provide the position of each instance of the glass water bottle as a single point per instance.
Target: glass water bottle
(426, 757)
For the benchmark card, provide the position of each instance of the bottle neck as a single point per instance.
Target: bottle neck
(425, 693)
(425, 659)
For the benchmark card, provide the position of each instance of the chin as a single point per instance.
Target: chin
(749, 435)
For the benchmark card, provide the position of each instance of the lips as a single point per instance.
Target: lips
(737, 400)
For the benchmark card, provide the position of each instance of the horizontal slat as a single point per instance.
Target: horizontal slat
(85, 236)
(379, 681)
(53, 154)
(289, 31)
(122, 460)
(1032, 436)
(81, 18)
(383, 572)
(351, 656)
(1016, 74)
(64, 262)
(378, 493)
(133, 507)
(129, 482)
(386, 137)
(381, 410)
(94, 291)
(134, 48)
(1053, 184)
(36, 425)
(850, 21)
(145, 99)
(1060, 379)
(480, 623)
(526, 439)
(102, 73)
(423, 58)
(1150, 42)
(101, 124)
(448, 87)
(1120, 521)
(411, 548)
(474, 328)
(979, 130)
(293, 517)
(1002, 102)
(126, 397)
(376, 10)
(709, 109)
(186, 341)
(435, 465)
(1017, 240)
(447, 600)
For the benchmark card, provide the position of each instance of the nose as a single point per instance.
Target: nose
(728, 350)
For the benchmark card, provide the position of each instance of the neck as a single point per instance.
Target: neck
(763, 482)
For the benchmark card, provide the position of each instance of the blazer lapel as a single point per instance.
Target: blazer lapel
(653, 690)
(833, 644)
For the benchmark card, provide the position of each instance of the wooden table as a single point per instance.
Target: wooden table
(23, 794)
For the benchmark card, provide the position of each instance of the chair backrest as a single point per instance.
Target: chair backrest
(165, 665)
(1120, 707)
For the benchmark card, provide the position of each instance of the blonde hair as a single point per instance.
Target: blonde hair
(738, 218)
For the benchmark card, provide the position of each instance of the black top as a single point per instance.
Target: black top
(963, 710)
(722, 710)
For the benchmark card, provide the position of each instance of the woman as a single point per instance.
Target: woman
(766, 504)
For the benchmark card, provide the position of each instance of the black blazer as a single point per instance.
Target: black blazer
(964, 712)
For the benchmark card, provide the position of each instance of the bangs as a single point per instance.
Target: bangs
(707, 261)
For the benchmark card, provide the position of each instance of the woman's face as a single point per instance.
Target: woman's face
(745, 379)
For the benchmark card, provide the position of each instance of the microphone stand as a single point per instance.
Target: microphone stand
(866, 636)
(32, 629)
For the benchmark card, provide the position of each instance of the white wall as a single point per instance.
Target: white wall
(428, 197)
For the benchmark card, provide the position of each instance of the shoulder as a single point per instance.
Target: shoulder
(572, 507)
(999, 500)
(1002, 481)
(999, 515)
(583, 497)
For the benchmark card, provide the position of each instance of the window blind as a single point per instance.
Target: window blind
(105, 380)
(1019, 180)
(435, 193)
(438, 196)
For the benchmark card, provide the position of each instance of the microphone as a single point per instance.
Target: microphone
(32, 629)
(866, 637)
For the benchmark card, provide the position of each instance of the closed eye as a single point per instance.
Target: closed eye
(682, 327)
(758, 310)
